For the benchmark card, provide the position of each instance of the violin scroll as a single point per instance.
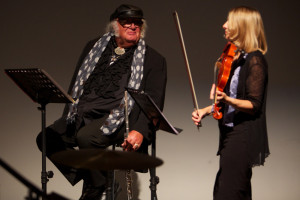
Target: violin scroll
(217, 114)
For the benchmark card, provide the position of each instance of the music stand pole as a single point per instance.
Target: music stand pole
(44, 174)
(154, 180)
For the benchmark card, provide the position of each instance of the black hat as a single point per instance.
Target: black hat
(127, 11)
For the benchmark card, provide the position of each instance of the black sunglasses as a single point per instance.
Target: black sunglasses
(126, 23)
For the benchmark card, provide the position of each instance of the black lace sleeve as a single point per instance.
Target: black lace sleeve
(256, 81)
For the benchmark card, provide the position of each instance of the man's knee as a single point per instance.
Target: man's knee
(54, 142)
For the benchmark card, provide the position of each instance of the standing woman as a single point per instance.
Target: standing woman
(243, 131)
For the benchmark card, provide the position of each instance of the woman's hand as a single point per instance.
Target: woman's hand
(198, 115)
(222, 97)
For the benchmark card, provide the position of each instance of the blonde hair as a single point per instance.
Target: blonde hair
(246, 29)
(113, 27)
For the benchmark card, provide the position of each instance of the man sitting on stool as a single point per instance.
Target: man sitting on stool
(109, 64)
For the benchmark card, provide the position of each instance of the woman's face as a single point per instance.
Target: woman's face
(225, 27)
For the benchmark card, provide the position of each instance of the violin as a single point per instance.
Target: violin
(223, 66)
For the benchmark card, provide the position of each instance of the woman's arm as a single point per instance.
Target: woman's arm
(239, 104)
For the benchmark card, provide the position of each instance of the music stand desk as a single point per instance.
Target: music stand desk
(152, 111)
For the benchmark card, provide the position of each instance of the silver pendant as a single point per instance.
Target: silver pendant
(119, 51)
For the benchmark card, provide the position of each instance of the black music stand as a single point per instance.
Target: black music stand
(154, 114)
(42, 89)
(34, 193)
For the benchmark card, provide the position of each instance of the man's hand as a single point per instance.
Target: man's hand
(133, 141)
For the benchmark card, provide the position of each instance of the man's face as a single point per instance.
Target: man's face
(129, 31)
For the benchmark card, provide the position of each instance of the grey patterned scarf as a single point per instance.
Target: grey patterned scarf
(116, 116)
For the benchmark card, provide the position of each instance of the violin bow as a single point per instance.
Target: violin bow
(178, 27)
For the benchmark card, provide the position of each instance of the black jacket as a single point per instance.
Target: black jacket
(153, 83)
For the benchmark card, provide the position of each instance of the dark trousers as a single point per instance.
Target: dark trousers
(90, 137)
(233, 181)
(87, 137)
